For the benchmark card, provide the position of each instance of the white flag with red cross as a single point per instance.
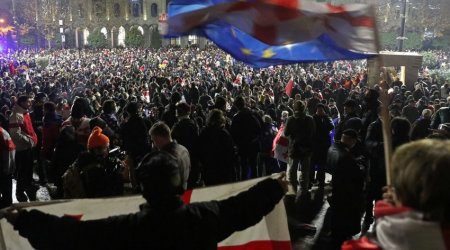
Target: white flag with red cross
(271, 233)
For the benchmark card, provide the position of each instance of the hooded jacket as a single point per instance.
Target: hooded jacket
(21, 129)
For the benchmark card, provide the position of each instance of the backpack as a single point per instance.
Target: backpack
(73, 186)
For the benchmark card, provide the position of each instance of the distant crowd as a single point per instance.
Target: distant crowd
(84, 119)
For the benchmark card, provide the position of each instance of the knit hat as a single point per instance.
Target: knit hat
(97, 139)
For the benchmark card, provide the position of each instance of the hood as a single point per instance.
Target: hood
(405, 229)
(19, 109)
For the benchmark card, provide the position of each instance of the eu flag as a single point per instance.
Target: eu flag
(259, 32)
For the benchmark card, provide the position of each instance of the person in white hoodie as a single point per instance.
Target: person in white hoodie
(416, 211)
(25, 139)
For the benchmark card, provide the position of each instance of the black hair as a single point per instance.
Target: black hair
(239, 102)
(132, 108)
(108, 107)
(22, 98)
(49, 106)
(159, 174)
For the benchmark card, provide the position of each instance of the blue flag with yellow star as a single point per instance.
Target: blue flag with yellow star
(217, 24)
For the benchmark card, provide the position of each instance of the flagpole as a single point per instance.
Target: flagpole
(385, 116)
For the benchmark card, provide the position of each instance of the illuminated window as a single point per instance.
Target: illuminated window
(192, 39)
(121, 37)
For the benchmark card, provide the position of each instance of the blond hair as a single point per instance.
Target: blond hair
(421, 178)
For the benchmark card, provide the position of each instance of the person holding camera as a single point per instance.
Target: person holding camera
(93, 174)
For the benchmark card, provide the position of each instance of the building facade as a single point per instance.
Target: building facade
(76, 19)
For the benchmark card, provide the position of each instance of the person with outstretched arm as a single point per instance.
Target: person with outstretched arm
(163, 222)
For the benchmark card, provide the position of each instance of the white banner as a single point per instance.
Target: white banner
(272, 228)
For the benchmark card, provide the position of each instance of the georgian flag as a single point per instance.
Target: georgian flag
(271, 233)
(270, 32)
(281, 22)
(280, 146)
(289, 87)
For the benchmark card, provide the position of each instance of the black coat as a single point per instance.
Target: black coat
(348, 181)
(66, 151)
(217, 156)
(170, 115)
(420, 129)
(300, 129)
(343, 125)
(134, 135)
(374, 145)
(176, 226)
(324, 125)
(411, 113)
(185, 132)
(322, 139)
(246, 130)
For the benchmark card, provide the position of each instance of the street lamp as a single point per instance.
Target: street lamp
(402, 37)
(61, 32)
(2, 20)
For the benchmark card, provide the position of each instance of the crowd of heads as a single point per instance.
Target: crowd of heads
(210, 87)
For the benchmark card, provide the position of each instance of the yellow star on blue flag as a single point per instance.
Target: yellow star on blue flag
(268, 53)
(246, 51)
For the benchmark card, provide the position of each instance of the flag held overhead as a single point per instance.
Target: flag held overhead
(270, 32)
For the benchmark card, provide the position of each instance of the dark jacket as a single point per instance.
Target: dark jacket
(36, 116)
(66, 151)
(112, 121)
(50, 132)
(441, 116)
(347, 183)
(300, 129)
(420, 129)
(246, 129)
(98, 176)
(185, 132)
(217, 156)
(343, 125)
(374, 145)
(198, 226)
(411, 113)
(269, 132)
(324, 125)
(322, 139)
(169, 116)
(134, 135)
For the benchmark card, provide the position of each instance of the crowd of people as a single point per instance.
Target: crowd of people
(87, 119)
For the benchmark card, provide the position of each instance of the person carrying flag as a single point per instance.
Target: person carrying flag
(416, 211)
(164, 222)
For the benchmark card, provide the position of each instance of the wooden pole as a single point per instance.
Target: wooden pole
(385, 116)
